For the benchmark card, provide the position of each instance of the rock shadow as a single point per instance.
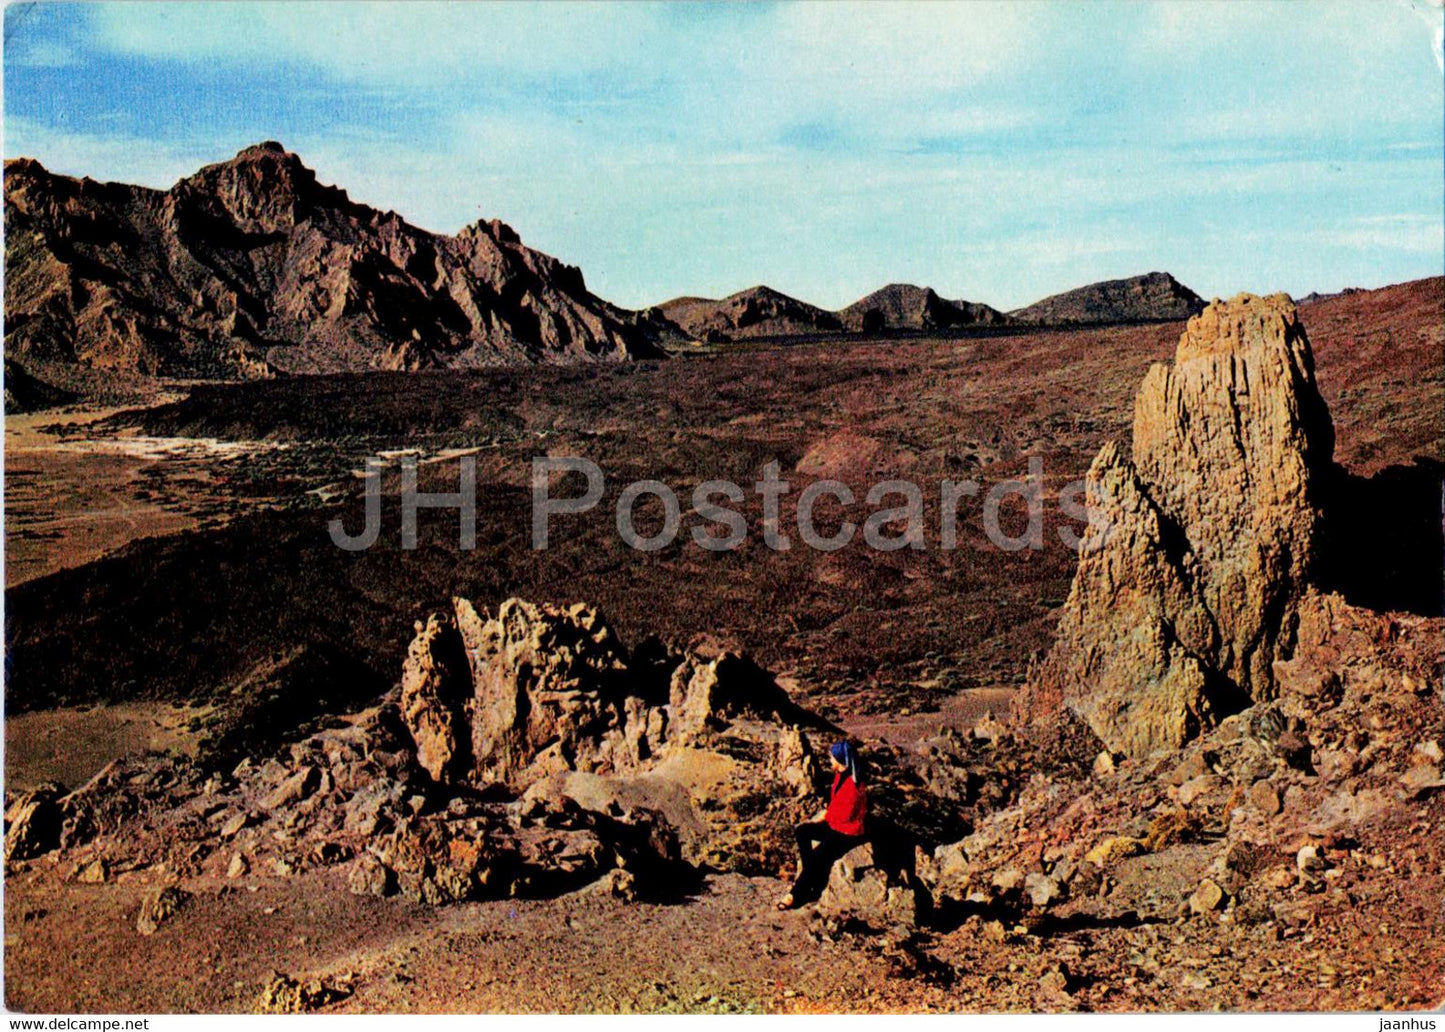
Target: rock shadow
(1383, 544)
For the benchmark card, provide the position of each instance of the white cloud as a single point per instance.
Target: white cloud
(1411, 234)
(1282, 68)
(901, 48)
(119, 158)
(42, 54)
(875, 70)
(895, 47)
(378, 42)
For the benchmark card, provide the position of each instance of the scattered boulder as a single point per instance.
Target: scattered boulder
(1310, 860)
(286, 995)
(33, 823)
(370, 877)
(1112, 849)
(1196, 764)
(622, 884)
(96, 872)
(1428, 751)
(1057, 984)
(293, 789)
(989, 728)
(1208, 897)
(235, 824)
(1169, 828)
(1243, 860)
(1422, 779)
(1042, 890)
(1279, 878)
(1265, 798)
(1295, 751)
(159, 906)
(444, 861)
(1197, 788)
(866, 886)
(374, 809)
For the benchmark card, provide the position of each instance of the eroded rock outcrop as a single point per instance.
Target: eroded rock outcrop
(33, 822)
(546, 701)
(1204, 537)
(526, 753)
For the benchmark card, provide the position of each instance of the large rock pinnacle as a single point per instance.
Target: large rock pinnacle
(1203, 541)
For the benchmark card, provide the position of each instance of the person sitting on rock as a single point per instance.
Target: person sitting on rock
(823, 843)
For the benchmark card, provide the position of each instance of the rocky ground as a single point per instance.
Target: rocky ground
(399, 789)
(1289, 860)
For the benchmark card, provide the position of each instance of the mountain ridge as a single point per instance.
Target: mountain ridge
(762, 311)
(251, 266)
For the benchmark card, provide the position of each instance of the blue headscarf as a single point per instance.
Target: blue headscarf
(845, 754)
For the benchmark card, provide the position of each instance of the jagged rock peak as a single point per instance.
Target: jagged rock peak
(537, 689)
(1204, 538)
(263, 148)
(545, 700)
(270, 162)
(252, 267)
(265, 188)
(494, 228)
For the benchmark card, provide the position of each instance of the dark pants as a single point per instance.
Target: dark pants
(819, 848)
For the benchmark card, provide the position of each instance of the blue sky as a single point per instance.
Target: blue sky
(997, 152)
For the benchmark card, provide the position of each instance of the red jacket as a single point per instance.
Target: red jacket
(847, 806)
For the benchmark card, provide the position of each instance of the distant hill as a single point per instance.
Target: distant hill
(755, 312)
(251, 267)
(903, 306)
(1315, 295)
(1153, 297)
